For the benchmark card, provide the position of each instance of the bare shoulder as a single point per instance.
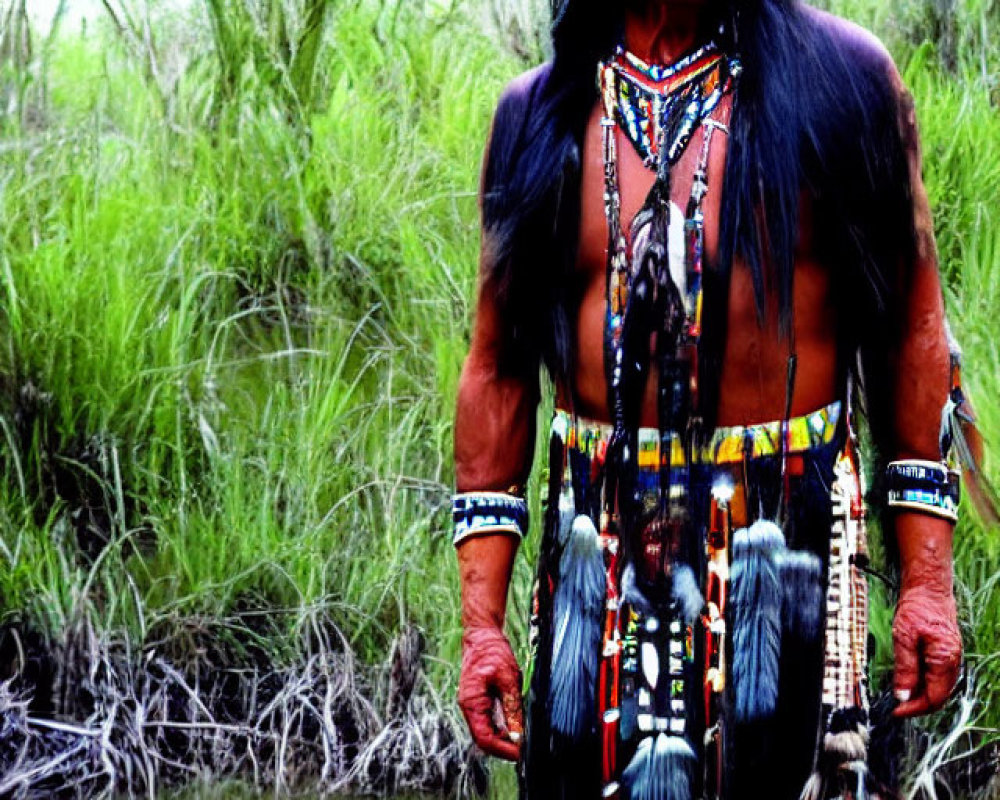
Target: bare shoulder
(863, 49)
(856, 43)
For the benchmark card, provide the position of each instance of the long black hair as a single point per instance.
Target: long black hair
(814, 112)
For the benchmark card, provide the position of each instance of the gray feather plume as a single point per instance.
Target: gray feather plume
(577, 606)
(661, 769)
(686, 593)
(801, 576)
(567, 514)
(632, 594)
(756, 609)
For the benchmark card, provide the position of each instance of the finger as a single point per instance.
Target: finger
(509, 686)
(499, 719)
(501, 748)
(938, 685)
(906, 673)
(943, 659)
(476, 708)
(937, 672)
(916, 707)
(507, 706)
(937, 694)
(478, 711)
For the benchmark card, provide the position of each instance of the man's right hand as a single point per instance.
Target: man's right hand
(489, 692)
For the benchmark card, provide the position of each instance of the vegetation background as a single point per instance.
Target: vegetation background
(238, 247)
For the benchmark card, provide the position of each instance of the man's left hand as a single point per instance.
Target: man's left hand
(928, 649)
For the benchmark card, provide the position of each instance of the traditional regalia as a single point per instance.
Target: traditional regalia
(699, 620)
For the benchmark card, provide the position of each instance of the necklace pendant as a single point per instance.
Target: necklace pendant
(700, 187)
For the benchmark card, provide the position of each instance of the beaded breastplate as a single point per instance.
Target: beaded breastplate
(644, 94)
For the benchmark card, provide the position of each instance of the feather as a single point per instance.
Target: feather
(550, 547)
(686, 594)
(660, 770)
(632, 594)
(756, 605)
(567, 512)
(842, 770)
(969, 447)
(801, 576)
(847, 736)
(636, 774)
(577, 607)
(846, 746)
(849, 718)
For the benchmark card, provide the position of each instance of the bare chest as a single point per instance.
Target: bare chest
(755, 354)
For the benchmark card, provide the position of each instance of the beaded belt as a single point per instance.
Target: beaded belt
(727, 445)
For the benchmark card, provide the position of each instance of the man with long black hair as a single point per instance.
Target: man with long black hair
(713, 246)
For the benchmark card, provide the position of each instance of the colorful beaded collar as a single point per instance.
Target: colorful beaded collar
(644, 93)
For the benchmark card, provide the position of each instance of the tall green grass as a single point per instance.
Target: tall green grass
(238, 336)
(234, 301)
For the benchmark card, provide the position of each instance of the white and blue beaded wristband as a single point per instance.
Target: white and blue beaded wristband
(928, 487)
(478, 513)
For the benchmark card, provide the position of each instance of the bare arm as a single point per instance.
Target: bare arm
(494, 434)
(927, 642)
(495, 414)
(494, 439)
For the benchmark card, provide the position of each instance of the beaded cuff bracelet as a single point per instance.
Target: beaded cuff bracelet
(925, 486)
(475, 513)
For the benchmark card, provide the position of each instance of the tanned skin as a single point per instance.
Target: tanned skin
(495, 420)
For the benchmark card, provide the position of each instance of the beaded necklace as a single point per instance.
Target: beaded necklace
(645, 93)
(665, 105)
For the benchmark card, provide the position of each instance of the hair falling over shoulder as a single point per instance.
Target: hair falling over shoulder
(815, 111)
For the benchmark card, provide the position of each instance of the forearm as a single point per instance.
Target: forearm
(920, 392)
(494, 438)
(925, 552)
(485, 564)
